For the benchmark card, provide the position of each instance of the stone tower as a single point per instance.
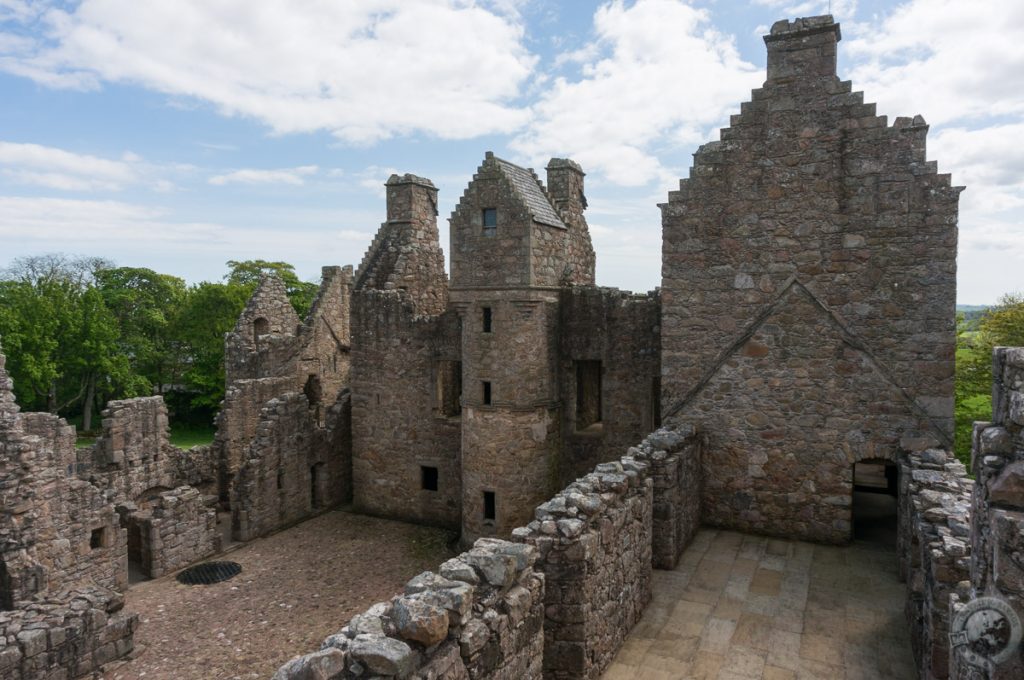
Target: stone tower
(511, 249)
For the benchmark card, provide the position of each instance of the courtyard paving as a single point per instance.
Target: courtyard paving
(741, 607)
(296, 587)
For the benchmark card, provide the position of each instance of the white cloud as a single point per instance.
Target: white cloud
(840, 9)
(989, 161)
(55, 168)
(947, 59)
(661, 76)
(293, 176)
(363, 70)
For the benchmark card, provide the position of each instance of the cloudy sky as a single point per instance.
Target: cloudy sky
(178, 135)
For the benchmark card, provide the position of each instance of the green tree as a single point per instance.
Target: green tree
(59, 336)
(247, 274)
(1002, 325)
(210, 310)
(147, 306)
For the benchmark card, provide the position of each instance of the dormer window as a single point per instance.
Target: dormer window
(490, 221)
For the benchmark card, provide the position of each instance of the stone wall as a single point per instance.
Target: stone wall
(61, 553)
(621, 331)
(170, 531)
(808, 273)
(294, 467)
(933, 548)
(594, 546)
(66, 635)
(479, 618)
(55, 529)
(675, 459)
(597, 541)
(997, 511)
(399, 422)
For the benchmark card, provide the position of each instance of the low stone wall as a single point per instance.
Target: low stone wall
(675, 458)
(176, 530)
(997, 512)
(480, 618)
(591, 544)
(67, 635)
(594, 545)
(934, 549)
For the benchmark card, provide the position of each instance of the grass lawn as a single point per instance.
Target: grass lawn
(182, 436)
(187, 436)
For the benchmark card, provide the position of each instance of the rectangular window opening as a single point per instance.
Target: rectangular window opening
(428, 478)
(487, 316)
(588, 394)
(489, 512)
(449, 388)
(96, 538)
(487, 392)
(655, 403)
(490, 221)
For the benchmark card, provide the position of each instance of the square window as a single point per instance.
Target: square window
(428, 478)
(490, 221)
(489, 506)
(487, 392)
(96, 539)
(487, 318)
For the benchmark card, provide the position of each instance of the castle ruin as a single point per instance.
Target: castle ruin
(576, 436)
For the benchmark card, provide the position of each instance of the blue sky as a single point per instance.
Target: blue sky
(179, 135)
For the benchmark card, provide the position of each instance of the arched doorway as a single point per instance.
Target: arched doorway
(875, 492)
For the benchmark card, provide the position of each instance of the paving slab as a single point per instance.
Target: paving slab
(754, 608)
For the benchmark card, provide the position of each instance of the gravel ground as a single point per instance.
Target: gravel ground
(296, 588)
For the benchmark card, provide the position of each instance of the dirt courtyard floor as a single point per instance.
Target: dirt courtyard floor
(296, 588)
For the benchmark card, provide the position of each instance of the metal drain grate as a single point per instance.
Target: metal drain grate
(209, 572)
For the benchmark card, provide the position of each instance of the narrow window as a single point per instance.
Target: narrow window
(260, 327)
(449, 388)
(487, 319)
(588, 394)
(428, 478)
(280, 479)
(96, 539)
(489, 513)
(313, 390)
(490, 220)
(487, 392)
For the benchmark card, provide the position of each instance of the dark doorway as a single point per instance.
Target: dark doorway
(6, 596)
(316, 482)
(313, 391)
(875, 490)
(138, 566)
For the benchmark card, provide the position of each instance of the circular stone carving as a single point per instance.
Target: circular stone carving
(987, 630)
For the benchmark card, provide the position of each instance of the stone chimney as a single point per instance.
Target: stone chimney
(411, 199)
(565, 187)
(802, 48)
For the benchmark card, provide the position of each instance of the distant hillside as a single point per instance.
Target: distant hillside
(971, 312)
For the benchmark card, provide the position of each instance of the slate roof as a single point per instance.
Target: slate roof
(525, 184)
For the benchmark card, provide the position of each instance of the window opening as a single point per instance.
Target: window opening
(588, 394)
(487, 392)
(259, 327)
(489, 508)
(487, 316)
(96, 538)
(490, 221)
(428, 477)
